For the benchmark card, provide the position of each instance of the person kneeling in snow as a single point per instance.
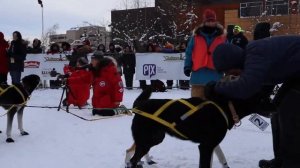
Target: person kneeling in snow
(107, 85)
(79, 83)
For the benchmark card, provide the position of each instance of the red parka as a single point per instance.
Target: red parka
(79, 84)
(107, 87)
(3, 55)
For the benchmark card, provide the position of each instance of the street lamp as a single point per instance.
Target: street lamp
(42, 6)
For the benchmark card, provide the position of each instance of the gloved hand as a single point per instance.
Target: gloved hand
(211, 94)
(63, 77)
(187, 71)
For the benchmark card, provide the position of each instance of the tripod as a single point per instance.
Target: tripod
(65, 90)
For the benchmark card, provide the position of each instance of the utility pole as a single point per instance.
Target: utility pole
(42, 7)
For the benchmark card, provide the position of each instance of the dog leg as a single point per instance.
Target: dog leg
(129, 153)
(206, 152)
(10, 118)
(149, 159)
(140, 151)
(218, 151)
(20, 122)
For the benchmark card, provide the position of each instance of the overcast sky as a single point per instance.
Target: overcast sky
(25, 15)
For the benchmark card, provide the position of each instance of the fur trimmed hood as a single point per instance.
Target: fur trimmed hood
(199, 29)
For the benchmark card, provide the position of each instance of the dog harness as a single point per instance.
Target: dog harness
(13, 87)
(156, 116)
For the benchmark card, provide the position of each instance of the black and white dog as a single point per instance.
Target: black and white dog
(13, 98)
(200, 121)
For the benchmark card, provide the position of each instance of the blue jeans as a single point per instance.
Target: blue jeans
(15, 77)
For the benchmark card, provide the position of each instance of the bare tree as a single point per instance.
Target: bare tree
(50, 31)
(129, 4)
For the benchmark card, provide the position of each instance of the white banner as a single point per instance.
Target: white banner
(43, 64)
(149, 66)
(166, 66)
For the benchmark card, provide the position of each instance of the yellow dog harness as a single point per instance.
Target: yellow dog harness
(193, 110)
(4, 90)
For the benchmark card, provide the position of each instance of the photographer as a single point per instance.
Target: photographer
(79, 83)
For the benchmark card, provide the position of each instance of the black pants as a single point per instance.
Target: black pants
(143, 84)
(289, 119)
(128, 80)
(3, 78)
(104, 112)
(15, 77)
(169, 84)
(276, 138)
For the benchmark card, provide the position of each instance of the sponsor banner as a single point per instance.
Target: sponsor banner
(149, 66)
(43, 64)
(166, 66)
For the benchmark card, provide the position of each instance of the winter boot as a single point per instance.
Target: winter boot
(149, 159)
(268, 164)
(24, 133)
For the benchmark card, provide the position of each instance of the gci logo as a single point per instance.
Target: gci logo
(149, 70)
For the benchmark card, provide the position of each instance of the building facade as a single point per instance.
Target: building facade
(283, 15)
(168, 20)
(95, 34)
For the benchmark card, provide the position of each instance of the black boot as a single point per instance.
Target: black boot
(268, 164)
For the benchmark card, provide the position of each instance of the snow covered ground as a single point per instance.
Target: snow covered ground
(60, 140)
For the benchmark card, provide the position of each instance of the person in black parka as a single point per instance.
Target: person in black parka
(269, 61)
(36, 47)
(128, 63)
(112, 52)
(262, 30)
(17, 55)
(239, 38)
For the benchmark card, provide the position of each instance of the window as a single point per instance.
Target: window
(249, 9)
(267, 7)
(277, 7)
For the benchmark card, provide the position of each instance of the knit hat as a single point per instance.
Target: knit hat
(209, 15)
(82, 61)
(238, 28)
(228, 56)
(98, 55)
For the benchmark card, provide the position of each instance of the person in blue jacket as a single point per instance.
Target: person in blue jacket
(268, 61)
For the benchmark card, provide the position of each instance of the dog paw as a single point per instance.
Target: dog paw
(151, 162)
(24, 133)
(10, 140)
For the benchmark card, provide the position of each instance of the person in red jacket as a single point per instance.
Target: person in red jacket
(3, 59)
(79, 83)
(107, 85)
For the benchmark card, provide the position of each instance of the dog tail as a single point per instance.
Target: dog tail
(145, 95)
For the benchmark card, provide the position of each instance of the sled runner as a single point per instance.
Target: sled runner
(86, 113)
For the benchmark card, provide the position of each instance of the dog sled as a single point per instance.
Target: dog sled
(87, 115)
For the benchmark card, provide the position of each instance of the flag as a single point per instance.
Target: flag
(40, 2)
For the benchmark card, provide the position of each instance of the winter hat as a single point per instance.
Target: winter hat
(228, 56)
(238, 28)
(82, 61)
(261, 30)
(209, 15)
(98, 55)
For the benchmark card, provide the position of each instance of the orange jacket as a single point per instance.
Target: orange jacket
(202, 54)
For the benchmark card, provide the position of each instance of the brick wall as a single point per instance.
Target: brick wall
(291, 23)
